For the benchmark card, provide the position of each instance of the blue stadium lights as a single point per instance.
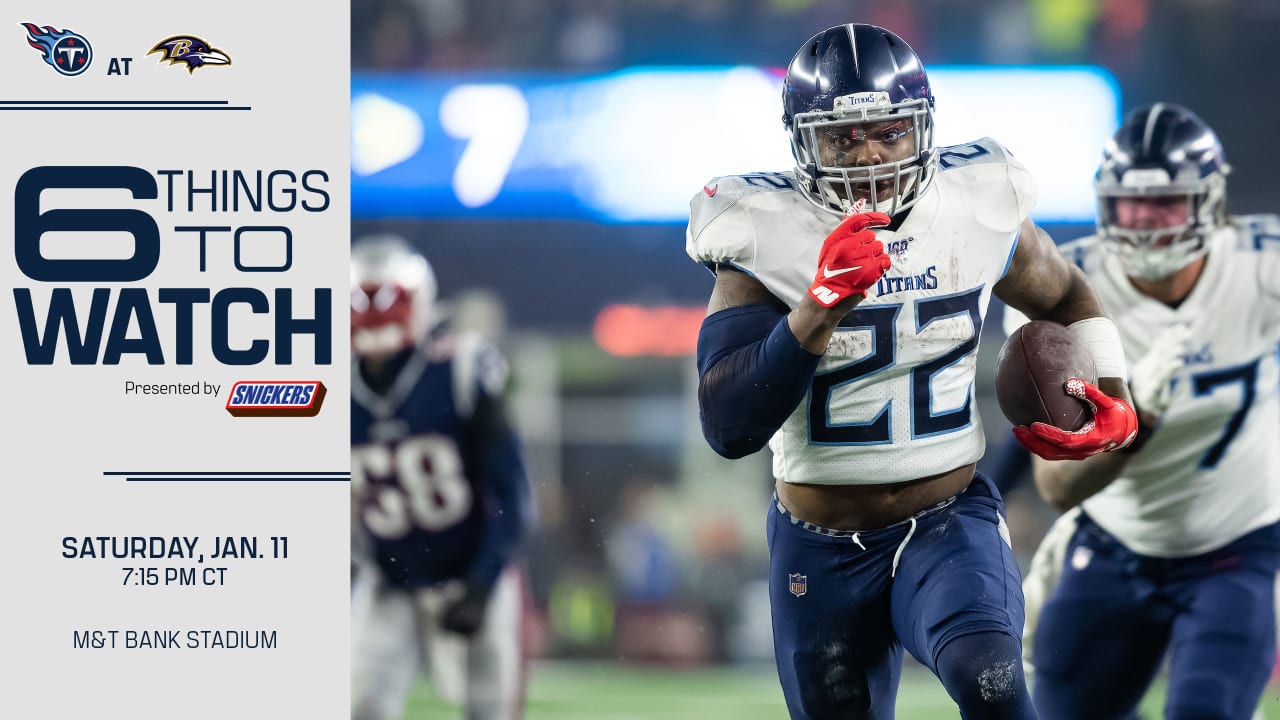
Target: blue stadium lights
(633, 146)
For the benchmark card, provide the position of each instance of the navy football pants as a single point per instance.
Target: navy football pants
(1104, 631)
(945, 587)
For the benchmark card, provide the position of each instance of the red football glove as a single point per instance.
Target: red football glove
(851, 259)
(1114, 425)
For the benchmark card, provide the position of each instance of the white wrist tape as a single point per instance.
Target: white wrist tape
(1102, 339)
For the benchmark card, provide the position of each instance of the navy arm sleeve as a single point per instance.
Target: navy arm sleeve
(752, 373)
(494, 452)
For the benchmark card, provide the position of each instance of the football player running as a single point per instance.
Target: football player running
(1175, 545)
(439, 500)
(851, 351)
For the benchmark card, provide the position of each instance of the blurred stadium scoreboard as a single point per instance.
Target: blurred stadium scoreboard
(633, 146)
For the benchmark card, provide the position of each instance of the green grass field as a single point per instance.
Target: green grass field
(573, 691)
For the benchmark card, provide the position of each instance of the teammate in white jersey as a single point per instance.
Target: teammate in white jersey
(1176, 545)
(861, 379)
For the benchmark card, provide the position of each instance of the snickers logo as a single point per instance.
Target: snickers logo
(275, 398)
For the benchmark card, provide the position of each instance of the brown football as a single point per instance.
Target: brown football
(1031, 372)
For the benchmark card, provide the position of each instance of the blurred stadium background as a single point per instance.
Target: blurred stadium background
(542, 154)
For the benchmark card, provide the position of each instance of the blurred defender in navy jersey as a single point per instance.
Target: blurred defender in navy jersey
(440, 500)
(851, 352)
(1172, 546)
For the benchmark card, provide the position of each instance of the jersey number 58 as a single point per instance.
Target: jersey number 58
(415, 483)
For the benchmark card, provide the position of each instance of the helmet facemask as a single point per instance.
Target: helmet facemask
(888, 187)
(1154, 253)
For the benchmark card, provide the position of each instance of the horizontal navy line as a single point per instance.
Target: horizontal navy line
(107, 107)
(226, 472)
(238, 479)
(115, 102)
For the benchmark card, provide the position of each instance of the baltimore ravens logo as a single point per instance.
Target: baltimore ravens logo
(67, 52)
(191, 50)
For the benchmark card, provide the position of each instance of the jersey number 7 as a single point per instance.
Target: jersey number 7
(1204, 384)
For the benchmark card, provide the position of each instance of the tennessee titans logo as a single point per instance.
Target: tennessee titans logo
(189, 49)
(65, 51)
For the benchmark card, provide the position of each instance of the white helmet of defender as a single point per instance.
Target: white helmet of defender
(393, 293)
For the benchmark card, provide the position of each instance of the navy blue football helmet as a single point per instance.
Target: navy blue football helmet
(1162, 150)
(847, 76)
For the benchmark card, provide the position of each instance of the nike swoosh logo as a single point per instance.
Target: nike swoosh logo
(827, 272)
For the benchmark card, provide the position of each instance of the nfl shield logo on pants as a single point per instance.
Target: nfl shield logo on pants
(799, 584)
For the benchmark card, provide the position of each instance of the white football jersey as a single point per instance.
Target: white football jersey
(892, 398)
(1211, 472)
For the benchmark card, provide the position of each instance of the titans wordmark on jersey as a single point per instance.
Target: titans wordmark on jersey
(416, 456)
(1209, 473)
(892, 398)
